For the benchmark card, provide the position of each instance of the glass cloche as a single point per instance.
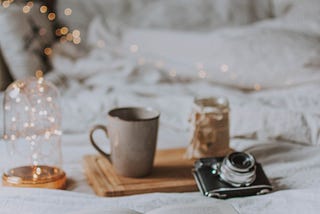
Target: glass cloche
(32, 121)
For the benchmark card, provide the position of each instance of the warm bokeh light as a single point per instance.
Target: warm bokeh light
(76, 33)
(69, 37)
(5, 4)
(63, 39)
(203, 74)
(257, 87)
(64, 30)
(51, 16)
(76, 41)
(224, 68)
(26, 9)
(39, 74)
(58, 32)
(134, 48)
(67, 12)
(48, 51)
(30, 4)
(43, 9)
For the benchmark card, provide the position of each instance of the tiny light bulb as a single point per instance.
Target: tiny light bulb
(224, 68)
(134, 48)
(51, 16)
(67, 12)
(43, 9)
(39, 74)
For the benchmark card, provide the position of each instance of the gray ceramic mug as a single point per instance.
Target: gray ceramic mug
(132, 134)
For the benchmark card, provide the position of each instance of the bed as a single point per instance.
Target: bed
(264, 60)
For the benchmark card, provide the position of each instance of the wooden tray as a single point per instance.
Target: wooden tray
(171, 173)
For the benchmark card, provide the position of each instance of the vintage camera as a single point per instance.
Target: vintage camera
(235, 175)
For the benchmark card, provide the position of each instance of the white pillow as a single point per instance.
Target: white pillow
(165, 14)
(247, 57)
(302, 16)
(283, 7)
(83, 12)
(198, 14)
(21, 43)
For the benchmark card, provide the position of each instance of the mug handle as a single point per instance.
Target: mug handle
(103, 128)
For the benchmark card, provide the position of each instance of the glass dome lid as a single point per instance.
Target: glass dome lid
(32, 121)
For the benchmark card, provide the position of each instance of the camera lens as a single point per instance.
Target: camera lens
(241, 160)
(238, 169)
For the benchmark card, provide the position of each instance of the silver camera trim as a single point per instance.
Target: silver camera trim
(218, 192)
(233, 175)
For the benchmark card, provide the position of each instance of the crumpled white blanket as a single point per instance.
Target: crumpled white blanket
(109, 76)
(287, 113)
(280, 126)
(293, 170)
(33, 201)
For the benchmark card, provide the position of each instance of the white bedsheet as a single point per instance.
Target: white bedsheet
(293, 170)
(280, 126)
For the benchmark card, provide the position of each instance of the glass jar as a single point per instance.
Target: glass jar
(32, 121)
(210, 128)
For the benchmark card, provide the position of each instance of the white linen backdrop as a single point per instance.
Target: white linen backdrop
(279, 125)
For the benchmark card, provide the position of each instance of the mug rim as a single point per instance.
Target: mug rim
(149, 109)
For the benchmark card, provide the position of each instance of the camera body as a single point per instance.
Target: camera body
(235, 175)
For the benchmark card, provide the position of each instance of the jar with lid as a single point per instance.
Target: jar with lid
(210, 128)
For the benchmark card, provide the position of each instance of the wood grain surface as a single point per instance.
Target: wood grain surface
(171, 173)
